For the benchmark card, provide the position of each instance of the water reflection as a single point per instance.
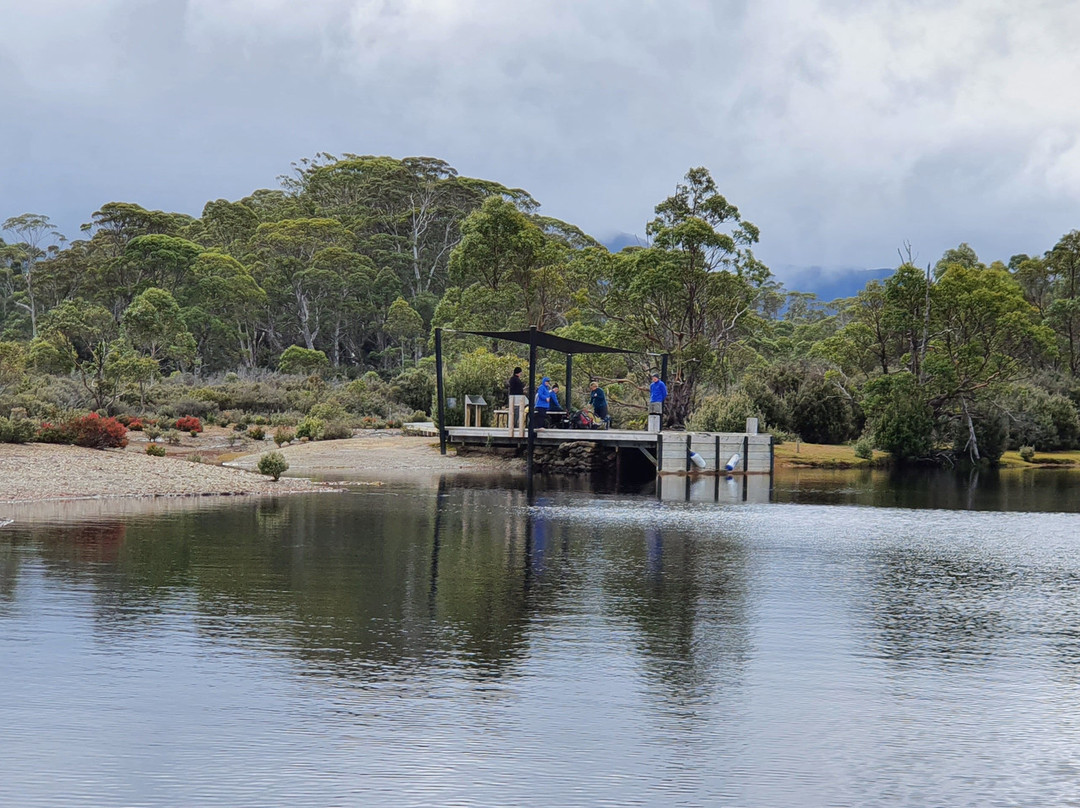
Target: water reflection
(466, 644)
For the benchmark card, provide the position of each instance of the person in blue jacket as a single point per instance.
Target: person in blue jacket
(657, 390)
(542, 404)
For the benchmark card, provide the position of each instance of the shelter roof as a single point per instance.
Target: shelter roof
(552, 341)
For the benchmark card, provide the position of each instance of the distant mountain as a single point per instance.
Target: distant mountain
(619, 241)
(828, 283)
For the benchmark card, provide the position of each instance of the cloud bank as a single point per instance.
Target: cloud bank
(842, 129)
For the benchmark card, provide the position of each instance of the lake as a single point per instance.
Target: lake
(834, 638)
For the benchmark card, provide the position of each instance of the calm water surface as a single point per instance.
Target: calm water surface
(458, 646)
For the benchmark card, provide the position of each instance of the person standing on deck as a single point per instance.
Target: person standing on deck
(598, 402)
(542, 404)
(515, 389)
(657, 396)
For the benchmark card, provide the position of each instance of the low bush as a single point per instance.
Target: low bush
(336, 430)
(172, 437)
(310, 428)
(864, 448)
(17, 431)
(273, 464)
(282, 436)
(1027, 453)
(189, 423)
(95, 432)
(257, 433)
(155, 451)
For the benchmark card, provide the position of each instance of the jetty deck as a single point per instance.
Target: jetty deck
(669, 451)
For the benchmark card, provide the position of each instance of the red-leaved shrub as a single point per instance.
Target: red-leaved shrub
(95, 432)
(135, 425)
(60, 433)
(189, 423)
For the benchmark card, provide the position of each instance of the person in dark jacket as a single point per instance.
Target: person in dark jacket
(517, 402)
(598, 402)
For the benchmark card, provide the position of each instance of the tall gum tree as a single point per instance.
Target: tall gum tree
(693, 294)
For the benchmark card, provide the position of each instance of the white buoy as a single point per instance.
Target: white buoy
(697, 460)
(734, 462)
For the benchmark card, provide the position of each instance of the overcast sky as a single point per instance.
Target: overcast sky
(842, 128)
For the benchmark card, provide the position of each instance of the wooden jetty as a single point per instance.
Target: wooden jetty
(668, 451)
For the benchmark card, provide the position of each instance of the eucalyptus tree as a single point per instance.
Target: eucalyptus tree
(37, 237)
(295, 284)
(1063, 313)
(693, 293)
(223, 307)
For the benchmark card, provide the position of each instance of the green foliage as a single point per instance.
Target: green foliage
(823, 411)
(273, 464)
(154, 450)
(414, 389)
(301, 361)
(1027, 453)
(256, 433)
(724, 413)
(19, 430)
(864, 448)
(311, 428)
(479, 373)
(368, 395)
(283, 435)
(902, 421)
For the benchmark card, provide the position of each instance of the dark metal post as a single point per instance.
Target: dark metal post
(532, 401)
(439, 390)
(569, 382)
(746, 454)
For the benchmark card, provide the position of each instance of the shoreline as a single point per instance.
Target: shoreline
(33, 473)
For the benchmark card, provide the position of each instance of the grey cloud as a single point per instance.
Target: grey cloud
(839, 128)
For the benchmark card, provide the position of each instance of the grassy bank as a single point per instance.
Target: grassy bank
(824, 456)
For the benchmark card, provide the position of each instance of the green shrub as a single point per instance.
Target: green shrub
(310, 428)
(172, 437)
(1027, 453)
(155, 451)
(480, 373)
(282, 435)
(273, 464)
(194, 458)
(331, 410)
(723, 413)
(20, 430)
(414, 388)
(257, 433)
(301, 361)
(368, 395)
(864, 448)
(822, 412)
(336, 430)
(902, 421)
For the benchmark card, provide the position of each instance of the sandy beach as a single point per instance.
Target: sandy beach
(34, 472)
(383, 453)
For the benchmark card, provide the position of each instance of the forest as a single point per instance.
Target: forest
(314, 303)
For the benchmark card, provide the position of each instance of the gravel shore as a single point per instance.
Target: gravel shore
(36, 472)
(382, 454)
